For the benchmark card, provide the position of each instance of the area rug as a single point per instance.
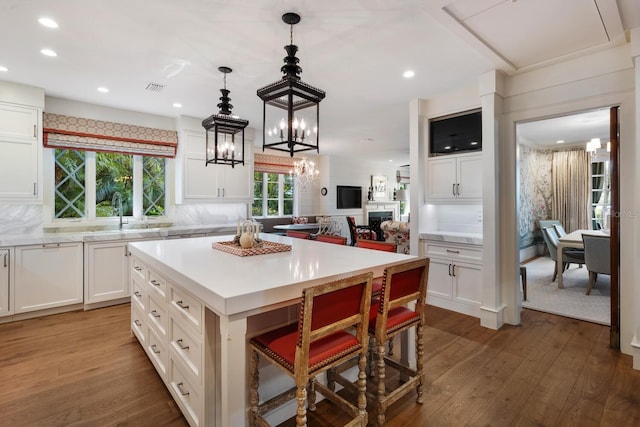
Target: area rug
(544, 295)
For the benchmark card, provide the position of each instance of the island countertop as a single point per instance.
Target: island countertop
(229, 284)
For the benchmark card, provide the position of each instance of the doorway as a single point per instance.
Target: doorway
(537, 141)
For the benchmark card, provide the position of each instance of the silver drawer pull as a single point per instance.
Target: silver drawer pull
(155, 283)
(181, 345)
(182, 305)
(137, 322)
(154, 313)
(137, 268)
(138, 294)
(181, 389)
(154, 348)
(452, 252)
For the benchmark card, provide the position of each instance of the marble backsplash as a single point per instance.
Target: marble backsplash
(206, 214)
(20, 219)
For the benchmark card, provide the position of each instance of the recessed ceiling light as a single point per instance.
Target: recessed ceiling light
(560, 141)
(48, 22)
(3, 69)
(177, 105)
(103, 89)
(408, 74)
(48, 52)
(473, 143)
(390, 161)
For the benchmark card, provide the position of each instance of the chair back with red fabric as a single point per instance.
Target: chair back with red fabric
(298, 234)
(338, 240)
(377, 245)
(359, 232)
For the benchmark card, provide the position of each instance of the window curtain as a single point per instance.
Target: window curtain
(571, 189)
(273, 164)
(76, 133)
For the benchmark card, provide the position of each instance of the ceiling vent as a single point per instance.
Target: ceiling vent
(154, 87)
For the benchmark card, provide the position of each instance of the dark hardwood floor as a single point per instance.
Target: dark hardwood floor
(85, 369)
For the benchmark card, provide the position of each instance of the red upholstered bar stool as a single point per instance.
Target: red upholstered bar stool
(298, 234)
(403, 283)
(379, 246)
(338, 240)
(332, 329)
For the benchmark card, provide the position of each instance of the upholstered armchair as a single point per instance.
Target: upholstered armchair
(397, 232)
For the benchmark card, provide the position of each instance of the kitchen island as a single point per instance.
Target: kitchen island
(194, 307)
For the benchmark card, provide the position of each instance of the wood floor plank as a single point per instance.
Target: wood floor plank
(85, 369)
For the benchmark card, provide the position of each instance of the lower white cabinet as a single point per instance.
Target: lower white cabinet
(47, 276)
(106, 272)
(455, 276)
(5, 282)
(169, 323)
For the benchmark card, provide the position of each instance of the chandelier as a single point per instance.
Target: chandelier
(222, 129)
(290, 123)
(304, 172)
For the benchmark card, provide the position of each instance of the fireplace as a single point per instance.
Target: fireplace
(375, 218)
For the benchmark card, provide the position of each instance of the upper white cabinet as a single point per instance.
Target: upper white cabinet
(5, 308)
(20, 163)
(454, 177)
(47, 276)
(218, 183)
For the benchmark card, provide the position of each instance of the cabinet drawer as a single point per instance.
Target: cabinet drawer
(187, 349)
(139, 324)
(138, 269)
(139, 296)
(187, 395)
(186, 307)
(470, 254)
(158, 284)
(158, 352)
(158, 316)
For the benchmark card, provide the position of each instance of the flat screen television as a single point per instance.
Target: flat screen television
(348, 197)
(459, 133)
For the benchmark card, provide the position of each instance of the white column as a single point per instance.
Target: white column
(630, 224)
(233, 372)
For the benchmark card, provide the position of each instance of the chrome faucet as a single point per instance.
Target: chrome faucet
(117, 198)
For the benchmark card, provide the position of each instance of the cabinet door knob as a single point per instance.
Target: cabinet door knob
(453, 189)
(181, 389)
(155, 314)
(452, 252)
(182, 305)
(154, 348)
(453, 269)
(137, 322)
(182, 345)
(457, 189)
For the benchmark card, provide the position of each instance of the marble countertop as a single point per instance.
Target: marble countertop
(231, 284)
(452, 237)
(111, 235)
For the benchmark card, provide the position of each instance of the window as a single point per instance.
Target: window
(273, 194)
(112, 173)
(600, 194)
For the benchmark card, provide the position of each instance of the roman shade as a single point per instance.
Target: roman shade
(273, 164)
(77, 133)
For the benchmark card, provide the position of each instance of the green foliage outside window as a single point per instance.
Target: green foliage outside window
(69, 184)
(114, 173)
(256, 207)
(153, 192)
(272, 194)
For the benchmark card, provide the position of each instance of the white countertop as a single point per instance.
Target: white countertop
(231, 284)
(111, 235)
(452, 237)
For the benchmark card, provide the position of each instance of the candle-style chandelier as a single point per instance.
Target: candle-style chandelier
(304, 171)
(296, 128)
(222, 128)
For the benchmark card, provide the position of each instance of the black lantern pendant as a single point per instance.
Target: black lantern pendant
(222, 129)
(291, 123)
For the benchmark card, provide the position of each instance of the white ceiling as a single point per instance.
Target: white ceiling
(355, 50)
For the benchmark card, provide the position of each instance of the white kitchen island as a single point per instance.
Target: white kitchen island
(194, 307)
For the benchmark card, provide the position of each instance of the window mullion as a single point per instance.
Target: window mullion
(90, 184)
(137, 186)
(265, 195)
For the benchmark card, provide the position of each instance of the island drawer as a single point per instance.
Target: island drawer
(138, 268)
(158, 352)
(186, 307)
(158, 316)
(158, 284)
(139, 295)
(188, 349)
(139, 324)
(187, 395)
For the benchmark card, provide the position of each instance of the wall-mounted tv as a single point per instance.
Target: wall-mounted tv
(348, 197)
(458, 133)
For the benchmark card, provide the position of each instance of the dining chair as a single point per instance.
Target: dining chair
(390, 316)
(359, 232)
(338, 240)
(332, 329)
(559, 230)
(377, 245)
(571, 256)
(298, 234)
(597, 257)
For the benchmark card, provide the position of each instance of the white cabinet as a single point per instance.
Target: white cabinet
(21, 150)
(455, 276)
(454, 177)
(169, 323)
(106, 272)
(203, 182)
(47, 276)
(5, 282)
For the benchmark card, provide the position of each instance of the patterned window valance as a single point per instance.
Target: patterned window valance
(273, 164)
(76, 133)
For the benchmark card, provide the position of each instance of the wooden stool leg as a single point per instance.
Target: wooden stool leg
(301, 398)
(419, 363)
(362, 386)
(381, 383)
(311, 399)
